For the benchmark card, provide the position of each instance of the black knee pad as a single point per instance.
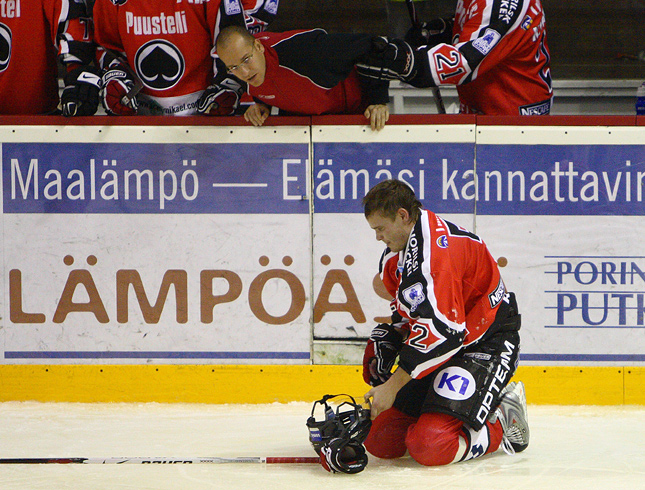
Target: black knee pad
(469, 386)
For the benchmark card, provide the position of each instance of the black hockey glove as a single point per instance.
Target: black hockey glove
(80, 96)
(342, 455)
(382, 348)
(221, 99)
(436, 31)
(388, 59)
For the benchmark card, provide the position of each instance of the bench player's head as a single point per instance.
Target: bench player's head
(392, 209)
(242, 54)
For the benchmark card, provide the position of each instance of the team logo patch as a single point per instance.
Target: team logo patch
(442, 241)
(5, 47)
(497, 296)
(454, 383)
(414, 295)
(487, 42)
(539, 109)
(159, 64)
(232, 7)
(526, 23)
(271, 6)
(118, 2)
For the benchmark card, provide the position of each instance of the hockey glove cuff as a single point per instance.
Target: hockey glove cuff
(381, 351)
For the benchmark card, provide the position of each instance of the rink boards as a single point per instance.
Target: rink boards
(216, 249)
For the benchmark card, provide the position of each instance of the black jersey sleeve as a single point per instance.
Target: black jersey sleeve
(327, 59)
(74, 32)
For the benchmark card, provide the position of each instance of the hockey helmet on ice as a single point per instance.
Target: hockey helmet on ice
(339, 434)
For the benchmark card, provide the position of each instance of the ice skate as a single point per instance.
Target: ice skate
(512, 414)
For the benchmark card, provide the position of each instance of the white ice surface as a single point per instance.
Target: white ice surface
(571, 448)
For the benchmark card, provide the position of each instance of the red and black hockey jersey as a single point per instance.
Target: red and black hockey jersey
(499, 58)
(446, 288)
(312, 72)
(168, 43)
(33, 35)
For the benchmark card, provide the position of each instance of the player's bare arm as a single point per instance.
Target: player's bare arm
(383, 395)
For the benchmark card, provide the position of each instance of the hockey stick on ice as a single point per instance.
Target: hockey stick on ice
(438, 99)
(140, 460)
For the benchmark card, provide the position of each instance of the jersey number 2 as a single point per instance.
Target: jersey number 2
(421, 338)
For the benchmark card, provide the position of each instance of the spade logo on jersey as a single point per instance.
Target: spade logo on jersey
(159, 64)
(5, 47)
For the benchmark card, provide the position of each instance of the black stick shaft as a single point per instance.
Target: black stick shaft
(413, 12)
(436, 93)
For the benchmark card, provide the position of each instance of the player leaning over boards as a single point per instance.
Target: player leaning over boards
(496, 54)
(455, 328)
(34, 34)
(308, 72)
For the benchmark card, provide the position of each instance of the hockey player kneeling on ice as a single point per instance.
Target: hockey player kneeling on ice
(337, 436)
(455, 331)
